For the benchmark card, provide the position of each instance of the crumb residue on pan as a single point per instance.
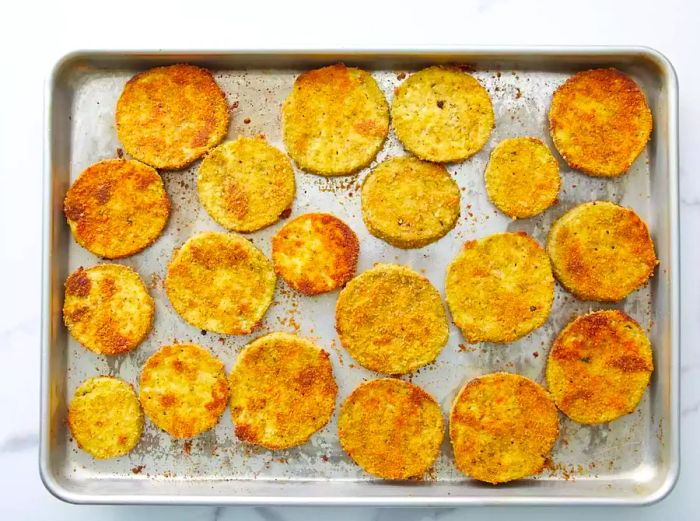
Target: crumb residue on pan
(218, 454)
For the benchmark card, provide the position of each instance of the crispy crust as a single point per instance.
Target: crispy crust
(391, 319)
(246, 184)
(502, 427)
(116, 208)
(391, 428)
(220, 282)
(105, 417)
(600, 122)
(183, 389)
(442, 114)
(335, 120)
(107, 308)
(500, 287)
(601, 251)
(282, 391)
(315, 253)
(409, 203)
(522, 177)
(599, 367)
(168, 117)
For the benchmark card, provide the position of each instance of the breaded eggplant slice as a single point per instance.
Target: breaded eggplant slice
(391, 428)
(522, 177)
(391, 319)
(116, 208)
(246, 184)
(220, 282)
(335, 120)
(601, 251)
(105, 417)
(442, 114)
(409, 203)
(502, 427)
(315, 253)
(599, 367)
(107, 308)
(282, 391)
(600, 122)
(183, 389)
(499, 288)
(168, 117)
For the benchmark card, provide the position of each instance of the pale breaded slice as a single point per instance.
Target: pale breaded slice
(409, 203)
(391, 319)
(522, 177)
(442, 114)
(391, 428)
(116, 208)
(183, 389)
(599, 367)
(282, 391)
(502, 427)
(500, 287)
(220, 282)
(601, 251)
(105, 417)
(315, 253)
(168, 117)
(246, 184)
(107, 308)
(600, 122)
(335, 120)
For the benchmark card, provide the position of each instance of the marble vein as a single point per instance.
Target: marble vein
(19, 442)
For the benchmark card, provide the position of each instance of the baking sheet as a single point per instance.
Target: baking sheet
(629, 460)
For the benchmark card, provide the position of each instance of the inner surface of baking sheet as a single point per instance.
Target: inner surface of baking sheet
(630, 460)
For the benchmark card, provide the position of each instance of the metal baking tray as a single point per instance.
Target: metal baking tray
(634, 460)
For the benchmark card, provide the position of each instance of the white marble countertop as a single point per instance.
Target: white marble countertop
(34, 35)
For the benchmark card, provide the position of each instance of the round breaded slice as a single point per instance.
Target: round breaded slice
(409, 203)
(116, 208)
(183, 389)
(315, 253)
(442, 114)
(220, 282)
(246, 184)
(335, 120)
(600, 122)
(282, 391)
(391, 319)
(601, 251)
(499, 288)
(522, 177)
(168, 117)
(502, 427)
(105, 417)
(391, 428)
(599, 367)
(107, 308)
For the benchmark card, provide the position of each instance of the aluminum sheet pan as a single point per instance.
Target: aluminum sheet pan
(633, 460)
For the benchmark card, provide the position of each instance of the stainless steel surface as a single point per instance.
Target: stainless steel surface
(631, 461)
